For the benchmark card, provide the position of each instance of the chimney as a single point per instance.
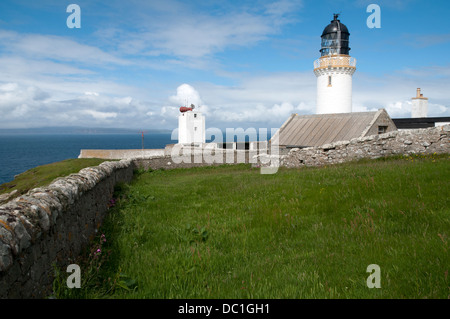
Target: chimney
(419, 105)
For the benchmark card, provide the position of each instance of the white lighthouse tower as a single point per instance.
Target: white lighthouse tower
(334, 70)
(191, 126)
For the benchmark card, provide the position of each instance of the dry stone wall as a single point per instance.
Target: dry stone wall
(419, 141)
(197, 157)
(51, 225)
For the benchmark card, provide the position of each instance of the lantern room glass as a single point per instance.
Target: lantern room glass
(335, 39)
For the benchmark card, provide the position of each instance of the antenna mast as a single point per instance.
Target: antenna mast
(142, 132)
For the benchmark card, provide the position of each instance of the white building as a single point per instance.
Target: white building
(191, 126)
(419, 115)
(334, 70)
(419, 105)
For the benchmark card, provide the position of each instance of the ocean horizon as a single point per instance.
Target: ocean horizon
(20, 152)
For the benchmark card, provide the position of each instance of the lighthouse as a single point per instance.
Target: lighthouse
(334, 70)
(191, 126)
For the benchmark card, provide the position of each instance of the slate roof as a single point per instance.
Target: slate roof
(320, 129)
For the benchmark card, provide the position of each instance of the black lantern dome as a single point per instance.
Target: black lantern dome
(335, 38)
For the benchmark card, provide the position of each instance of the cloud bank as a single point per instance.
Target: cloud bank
(160, 55)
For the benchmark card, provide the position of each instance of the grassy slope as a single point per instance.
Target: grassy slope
(230, 232)
(45, 174)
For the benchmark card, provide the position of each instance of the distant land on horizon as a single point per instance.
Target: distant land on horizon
(79, 130)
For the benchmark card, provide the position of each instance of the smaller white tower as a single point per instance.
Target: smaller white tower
(191, 126)
(419, 105)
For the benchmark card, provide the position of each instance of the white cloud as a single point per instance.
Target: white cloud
(91, 93)
(101, 115)
(203, 36)
(53, 80)
(398, 109)
(268, 100)
(170, 112)
(187, 33)
(15, 95)
(8, 87)
(20, 110)
(261, 100)
(186, 95)
(29, 106)
(394, 92)
(265, 100)
(50, 47)
(258, 101)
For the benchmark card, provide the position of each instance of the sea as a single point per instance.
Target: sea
(21, 152)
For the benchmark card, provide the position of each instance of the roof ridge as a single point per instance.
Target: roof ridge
(277, 134)
(374, 119)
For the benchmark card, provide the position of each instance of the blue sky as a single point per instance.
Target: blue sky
(243, 63)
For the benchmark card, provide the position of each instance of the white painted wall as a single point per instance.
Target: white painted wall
(336, 98)
(191, 127)
(419, 107)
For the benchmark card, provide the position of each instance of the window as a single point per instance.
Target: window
(382, 129)
(329, 80)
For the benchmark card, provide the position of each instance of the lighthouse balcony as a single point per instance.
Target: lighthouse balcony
(337, 61)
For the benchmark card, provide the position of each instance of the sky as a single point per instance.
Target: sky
(132, 64)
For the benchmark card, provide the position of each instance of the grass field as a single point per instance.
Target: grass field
(230, 232)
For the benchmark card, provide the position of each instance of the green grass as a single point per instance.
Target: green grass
(45, 174)
(230, 232)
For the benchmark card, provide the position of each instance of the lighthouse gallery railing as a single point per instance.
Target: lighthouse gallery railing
(334, 62)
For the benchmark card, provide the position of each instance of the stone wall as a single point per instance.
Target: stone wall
(51, 225)
(419, 141)
(196, 157)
